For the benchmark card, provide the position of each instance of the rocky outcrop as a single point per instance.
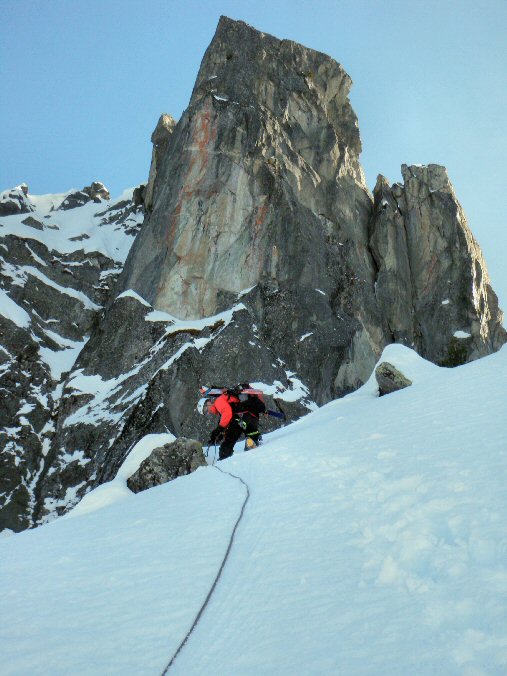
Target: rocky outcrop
(95, 192)
(164, 464)
(33, 223)
(389, 379)
(139, 374)
(160, 139)
(432, 280)
(15, 201)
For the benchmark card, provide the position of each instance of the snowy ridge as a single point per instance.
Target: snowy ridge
(374, 542)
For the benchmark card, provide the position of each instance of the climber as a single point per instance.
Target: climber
(239, 414)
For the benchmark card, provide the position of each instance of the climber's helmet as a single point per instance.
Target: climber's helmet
(203, 405)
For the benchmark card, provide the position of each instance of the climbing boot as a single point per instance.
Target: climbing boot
(249, 444)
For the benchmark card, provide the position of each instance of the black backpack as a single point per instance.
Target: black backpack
(251, 403)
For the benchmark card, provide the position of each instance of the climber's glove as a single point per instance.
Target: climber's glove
(215, 436)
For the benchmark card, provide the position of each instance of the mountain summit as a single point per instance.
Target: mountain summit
(263, 163)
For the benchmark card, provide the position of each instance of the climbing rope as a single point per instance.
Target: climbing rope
(218, 575)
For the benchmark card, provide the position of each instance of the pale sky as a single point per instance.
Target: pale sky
(84, 82)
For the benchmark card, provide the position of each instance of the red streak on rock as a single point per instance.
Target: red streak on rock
(261, 214)
(204, 133)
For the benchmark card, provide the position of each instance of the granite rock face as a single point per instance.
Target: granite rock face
(432, 282)
(260, 185)
(164, 464)
(160, 140)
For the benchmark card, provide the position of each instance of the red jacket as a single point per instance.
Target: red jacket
(222, 407)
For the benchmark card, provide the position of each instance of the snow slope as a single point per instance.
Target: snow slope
(373, 542)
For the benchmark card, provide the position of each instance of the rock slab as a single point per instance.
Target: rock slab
(166, 463)
(389, 379)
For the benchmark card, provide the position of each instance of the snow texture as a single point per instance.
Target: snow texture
(373, 543)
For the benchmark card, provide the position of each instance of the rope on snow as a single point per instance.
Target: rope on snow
(218, 575)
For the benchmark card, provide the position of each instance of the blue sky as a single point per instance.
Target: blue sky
(83, 85)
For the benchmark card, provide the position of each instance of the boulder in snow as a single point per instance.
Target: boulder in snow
(33, 223)
(166, 463)
(389, 379)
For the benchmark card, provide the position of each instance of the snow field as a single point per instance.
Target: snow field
(374, 542)
(110, 592)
